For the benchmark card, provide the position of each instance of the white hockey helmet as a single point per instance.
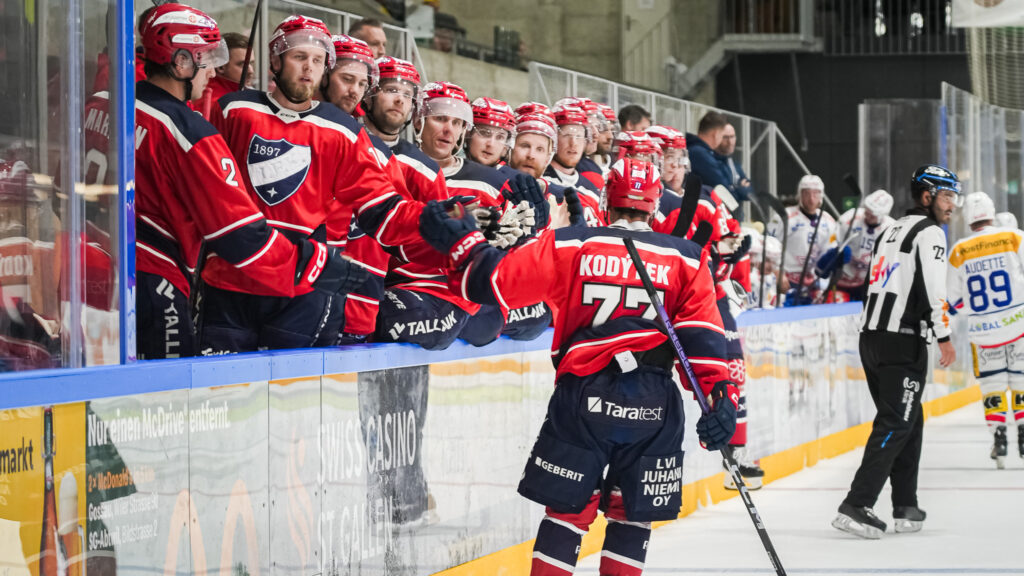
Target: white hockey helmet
(812, 182)
(773, 249)
(1006, 220)
(978, 207)
(879, 203)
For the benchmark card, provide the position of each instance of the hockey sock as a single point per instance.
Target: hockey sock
(625, 542)
(558, 540)
(1018, 406)
(995, 409)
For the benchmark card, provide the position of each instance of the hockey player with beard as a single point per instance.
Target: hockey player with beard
(986, 283)
(587, 167)
(614, 424)
(191, 194)
(868, 225)
(573, 133)
(802, 220)
(906, 304)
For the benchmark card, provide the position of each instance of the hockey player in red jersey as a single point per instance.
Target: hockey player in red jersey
(301, 159)
(573, 133)
(493, 131)
(188, 194)
(355, 73)
(587, 167)
(615, 403)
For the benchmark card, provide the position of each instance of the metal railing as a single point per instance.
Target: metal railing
(883, 28)
(757, 139)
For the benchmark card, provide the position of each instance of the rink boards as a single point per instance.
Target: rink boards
(322, 462)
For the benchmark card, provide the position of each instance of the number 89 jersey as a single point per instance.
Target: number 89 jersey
(987, 283)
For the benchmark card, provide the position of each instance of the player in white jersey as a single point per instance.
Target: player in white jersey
(867, 223)
(986, 282)
(765, 247)
(802, 242)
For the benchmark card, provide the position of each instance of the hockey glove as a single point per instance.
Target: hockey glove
(327, 270)
(456, 237)
(831, 260)
(716, 428)
(796, 297)
(525, 187)
(575, 207)
(740, 252)
(505, 230)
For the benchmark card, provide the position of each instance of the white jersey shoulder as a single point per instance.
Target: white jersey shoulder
(799, 240)
(861, 239)
(986, 282)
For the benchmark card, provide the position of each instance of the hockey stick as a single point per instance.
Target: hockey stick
(252, 41)
(776, 205)
(691, 197)
(810, 250)
(764, 241)
(834, 278)
(734, 470)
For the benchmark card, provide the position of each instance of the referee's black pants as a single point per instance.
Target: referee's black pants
(896, 366)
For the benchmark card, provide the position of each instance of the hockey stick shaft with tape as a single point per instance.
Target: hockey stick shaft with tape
(730, 461)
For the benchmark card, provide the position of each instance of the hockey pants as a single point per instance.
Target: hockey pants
(998, 368)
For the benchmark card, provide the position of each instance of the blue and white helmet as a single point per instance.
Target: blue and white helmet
(933, 179)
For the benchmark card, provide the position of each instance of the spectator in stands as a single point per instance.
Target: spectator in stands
(371, 31)
(741, 187)
(706, 163)
(446, 32)
(634, 117)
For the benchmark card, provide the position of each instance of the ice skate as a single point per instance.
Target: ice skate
(859, 521)
(999, 447)
(908, 518)
(753, 475)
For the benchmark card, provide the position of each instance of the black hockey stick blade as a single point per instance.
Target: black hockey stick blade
(703, 234)
(691, 197)
(852, 183)
(730, 461)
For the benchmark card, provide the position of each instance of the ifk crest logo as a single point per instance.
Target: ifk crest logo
(277, 168)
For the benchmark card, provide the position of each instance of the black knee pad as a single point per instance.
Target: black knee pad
(300, 322)
(483, 327)
(419, 318)
(528, 322)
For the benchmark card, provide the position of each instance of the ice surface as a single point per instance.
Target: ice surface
(974, 521)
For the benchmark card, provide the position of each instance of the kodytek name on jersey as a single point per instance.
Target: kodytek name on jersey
(423, 326)
(598, 405)
(599, 265)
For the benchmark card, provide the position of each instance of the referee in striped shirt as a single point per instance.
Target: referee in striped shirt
(906, 300)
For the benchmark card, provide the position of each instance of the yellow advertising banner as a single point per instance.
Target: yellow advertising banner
(42, 490)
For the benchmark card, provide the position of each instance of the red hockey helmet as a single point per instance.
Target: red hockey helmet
(609, 114)
(298, 31)
(349, 48)
(637, 145)
(444, 99)
(169, 28)
(586, 104)
(667, 137)
(569, 115)
(391, 68)
(633, 184)
(538, 124)
(532, 108)
(493, 112)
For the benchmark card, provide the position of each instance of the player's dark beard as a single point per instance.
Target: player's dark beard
(379, 119)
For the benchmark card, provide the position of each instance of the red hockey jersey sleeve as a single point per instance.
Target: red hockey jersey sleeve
(587, 278)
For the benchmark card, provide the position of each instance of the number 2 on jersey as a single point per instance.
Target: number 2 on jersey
(608, 298)
(978, 290)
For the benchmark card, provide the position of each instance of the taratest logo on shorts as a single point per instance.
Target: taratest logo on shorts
(598, 405)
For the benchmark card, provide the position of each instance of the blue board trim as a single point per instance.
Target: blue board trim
(61, 386)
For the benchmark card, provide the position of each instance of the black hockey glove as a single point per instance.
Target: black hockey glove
(574, 207)
(456, 237)
(740, 252)
(324, 268)
(716, 428)
(525, 187)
